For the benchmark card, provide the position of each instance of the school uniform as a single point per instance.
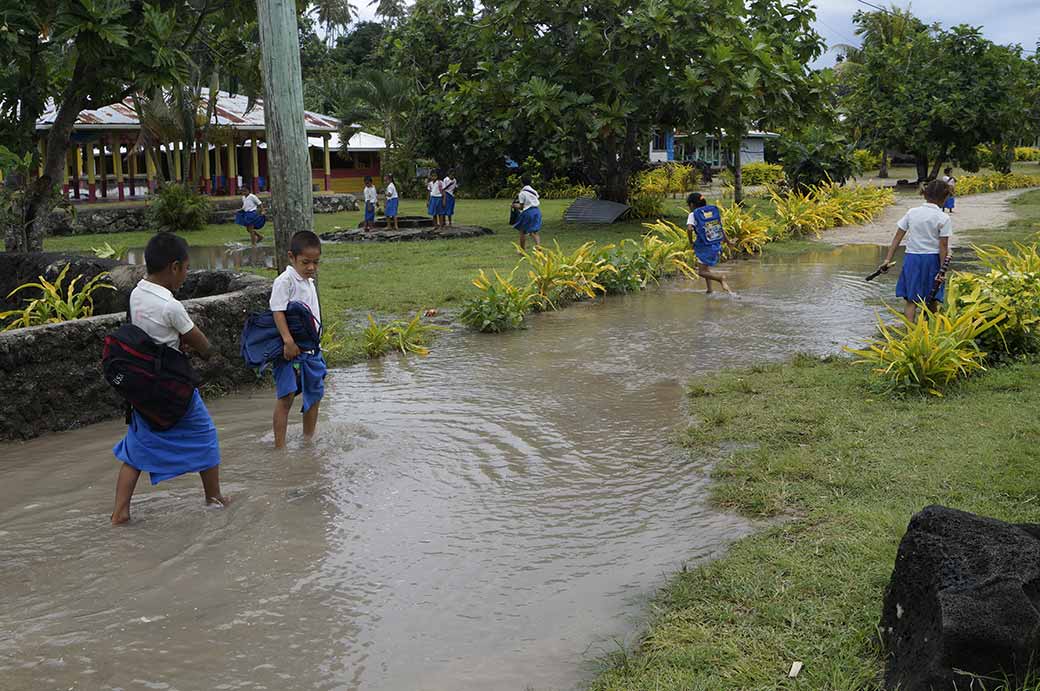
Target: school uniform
(306, 373)
(191, 445)
(706, 222)
(530, 219)
(392, 200)
(951, 201)
(371, 199)
(924, 226)
(448, 204)
(436, 190)
(249, 214)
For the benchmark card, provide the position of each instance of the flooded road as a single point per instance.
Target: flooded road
(492, 517)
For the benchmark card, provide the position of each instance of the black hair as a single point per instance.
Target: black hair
(936, 191)
(303, 240)
(526, 180)
(368, 179)
(696, 200)
(164, 249)
(947, 170)
(389, 176)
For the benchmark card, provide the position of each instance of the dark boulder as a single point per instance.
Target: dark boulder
(963, 602)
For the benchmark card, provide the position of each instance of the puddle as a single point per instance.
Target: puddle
(230, 256)
(491, 517)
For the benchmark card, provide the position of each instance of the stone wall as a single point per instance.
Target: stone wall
(112, 218)
(50, 376)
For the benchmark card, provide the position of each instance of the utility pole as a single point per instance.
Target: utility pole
(289, 165)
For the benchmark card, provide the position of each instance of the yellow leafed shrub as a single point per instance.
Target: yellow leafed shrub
(748, 231)
(994, 182)
(1027, 153)
(826, 206)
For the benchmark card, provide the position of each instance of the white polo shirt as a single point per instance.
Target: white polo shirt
(924, 225)
(156, 312)
(528, 198)
(391, 191)
(450, 185)
(250, 202)
(291, 286)
(371, 195)
(435, 187)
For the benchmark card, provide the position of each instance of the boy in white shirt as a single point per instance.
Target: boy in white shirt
(928, 231)
(371, 199)
(298, 372)
(392, 202)
(191, 445)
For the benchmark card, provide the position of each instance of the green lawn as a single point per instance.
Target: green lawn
(1023, 228)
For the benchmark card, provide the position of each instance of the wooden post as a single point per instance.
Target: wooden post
(131, 156)
(117, 165)
(232, 167)
(177, 162)
(91, 175)
(256, 165)
(328, 162)
(149, 165)
(217, 167)
(67, 175)
(41, 146)
(102, 159)
(204, 152)
(289, 165)
(79, 171)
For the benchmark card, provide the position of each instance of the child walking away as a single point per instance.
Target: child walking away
(436, 189)
(705, 222)
(392, 202)
(529, 222)
(927, 231)
(951, 183)
(250, 216)
(450, 185)
(371, 199)
(190, 445)
(298, 371)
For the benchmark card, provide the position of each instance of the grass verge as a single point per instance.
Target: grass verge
(1023, 228)
(846, 468)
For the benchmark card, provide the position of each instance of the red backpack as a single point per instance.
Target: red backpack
(157, 381)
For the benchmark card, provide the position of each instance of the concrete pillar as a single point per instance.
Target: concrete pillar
(131, 157)
(103, 161)
(232, 167)
(256, 165)
(117, 165)
(328, 161)
(204, 152)
(79, 171)
(41, 147)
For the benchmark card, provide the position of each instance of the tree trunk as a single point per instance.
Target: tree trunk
(292, 203)
(938, 164)
(883, 173)
(736, 165)
(921, 160)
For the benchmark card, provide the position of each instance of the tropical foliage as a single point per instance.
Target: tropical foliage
(412, 336)
(501, 306)
(994, 182)
(178, 207)
(57, 301)
(828, 205)
(107, 251)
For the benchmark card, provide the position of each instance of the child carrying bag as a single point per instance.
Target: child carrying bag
(155, 380)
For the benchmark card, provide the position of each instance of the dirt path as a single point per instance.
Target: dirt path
(975, 212)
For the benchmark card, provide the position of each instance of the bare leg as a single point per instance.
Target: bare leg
(523, 241)
(125, 484)
(281, 419)
(709, 275)
(537, 239)
(910, 310)
(211, 486)
(252, 235)
(310, 421)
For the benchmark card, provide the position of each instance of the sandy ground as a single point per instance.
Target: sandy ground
(975, 212)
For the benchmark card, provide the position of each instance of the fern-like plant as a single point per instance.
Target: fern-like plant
(178, 207)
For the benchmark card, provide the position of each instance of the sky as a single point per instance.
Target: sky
(1003, 21)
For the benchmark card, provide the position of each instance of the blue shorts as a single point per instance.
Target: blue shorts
(709, 256)
(530, 221)
(918, 276)
(951, 201)
(370, 212)
(304, 375)
(391, 207)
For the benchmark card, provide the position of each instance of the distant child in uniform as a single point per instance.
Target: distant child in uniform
(529, 222)
(392, 202)
(251, 215)
(951, 182)
(928, 231)
(436, 189)
(371, 199)
(706, 235)
(298, 372)
(191, 445)
(450, 185)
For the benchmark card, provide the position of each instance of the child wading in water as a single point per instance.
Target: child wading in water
(392, 202)
(371, 199)
(928, 231)
(251, 216)
(705, 222)
(191, 445)
(298, 372)
(951, 183)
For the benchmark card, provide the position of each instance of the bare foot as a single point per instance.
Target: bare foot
(121, 517)
(725, 286)
(220, 500)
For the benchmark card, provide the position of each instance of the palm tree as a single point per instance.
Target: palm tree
(334, 16)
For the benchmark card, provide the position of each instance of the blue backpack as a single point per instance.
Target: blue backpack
(707, 222)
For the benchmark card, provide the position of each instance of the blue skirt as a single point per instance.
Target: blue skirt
(370, 212)
(433, 208)
(448, 205)
(709, 256)
(951, 201)
(391, 207)
(530, 221)
(190, 446)
(918, 276)
(251, 218)
(304, 375)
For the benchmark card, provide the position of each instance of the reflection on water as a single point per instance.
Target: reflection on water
(492, 517)
(229, 256)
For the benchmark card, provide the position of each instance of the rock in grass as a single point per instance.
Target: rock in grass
(963, 601)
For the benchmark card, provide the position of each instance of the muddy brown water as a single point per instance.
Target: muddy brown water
(493, 517)
(230, 256)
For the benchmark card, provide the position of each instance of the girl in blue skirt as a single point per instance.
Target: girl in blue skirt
(449, 185)
(251, 216)
(392, 202)
(191, 445)
(927, 231)
(951, 182)
(530, 220)
(371, 199)
(434, 206)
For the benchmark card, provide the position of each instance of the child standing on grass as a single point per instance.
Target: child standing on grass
(251, 216)
(392, 202)
(450, 185)
(371, 199)
(436, 189)
(951, 182)
(705, 222)
(529, 222)
(928, 231)
(191, 445)
(298, 372)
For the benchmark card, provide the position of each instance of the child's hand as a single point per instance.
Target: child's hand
(290, 351)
